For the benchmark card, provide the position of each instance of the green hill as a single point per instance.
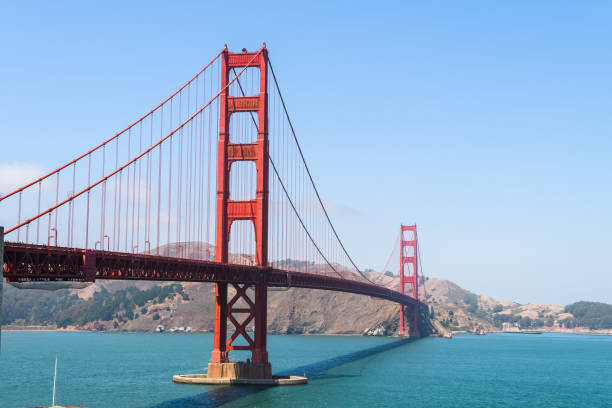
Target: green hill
(61, 308)
(594, 315)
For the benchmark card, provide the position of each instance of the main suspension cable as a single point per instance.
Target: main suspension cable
(395, 245)
(142, 154)
(115, 136)
(287, 193)
(310, 175)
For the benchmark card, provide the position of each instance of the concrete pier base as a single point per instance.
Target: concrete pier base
(239, 373)
(203, 379)
(239, 369)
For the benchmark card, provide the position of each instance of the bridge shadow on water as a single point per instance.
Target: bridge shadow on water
(317, 371)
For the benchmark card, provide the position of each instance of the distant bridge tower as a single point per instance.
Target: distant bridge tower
(409, 275)
(241, 309)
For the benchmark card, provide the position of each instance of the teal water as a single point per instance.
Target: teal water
(135, 370)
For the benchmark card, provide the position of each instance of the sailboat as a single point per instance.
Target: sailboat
(53, 398)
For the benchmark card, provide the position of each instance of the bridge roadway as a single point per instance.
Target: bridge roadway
(30, 263)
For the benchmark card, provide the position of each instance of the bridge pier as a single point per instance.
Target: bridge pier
(219, 353)
(260, 352)
(258, 367)
(409, 320)
(257, 370)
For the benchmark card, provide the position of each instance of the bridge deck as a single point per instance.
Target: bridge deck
(26, 263)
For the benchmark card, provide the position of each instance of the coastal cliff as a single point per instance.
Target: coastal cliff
(147, 306)
(171, 306)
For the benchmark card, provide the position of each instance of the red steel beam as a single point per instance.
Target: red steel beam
(27, 263)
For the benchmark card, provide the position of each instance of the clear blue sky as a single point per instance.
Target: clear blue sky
(488, 124)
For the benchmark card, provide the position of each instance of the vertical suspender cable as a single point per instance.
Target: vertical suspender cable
(170, 182)
(159, 173)
(88, 191)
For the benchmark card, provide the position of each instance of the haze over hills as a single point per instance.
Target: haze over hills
(143, 306)
(147, 306)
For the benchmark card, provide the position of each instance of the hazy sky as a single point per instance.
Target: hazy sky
(487, 124)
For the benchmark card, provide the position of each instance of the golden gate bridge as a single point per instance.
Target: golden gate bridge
(218, 158)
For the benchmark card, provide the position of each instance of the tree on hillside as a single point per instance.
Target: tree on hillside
(594, 315)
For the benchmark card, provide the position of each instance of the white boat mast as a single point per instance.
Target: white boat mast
(54, 377)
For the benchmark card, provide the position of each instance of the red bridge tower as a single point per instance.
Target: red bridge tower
(409, 274)
(241, 309)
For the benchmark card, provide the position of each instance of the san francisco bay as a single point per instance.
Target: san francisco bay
(135, 370)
